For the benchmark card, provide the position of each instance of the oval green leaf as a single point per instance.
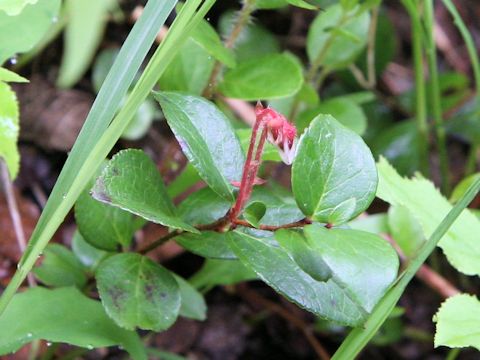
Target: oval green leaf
(275, 267)
(60, 267)
(361, 263)
(346, 111)
(88, 255)
(137, 292)
(206, 36)
(193, 304)
(337, 36)
(104, 226)
(189, 71)
(209, 244)
(254, 212)
(207, 139)
(269, 77)
(131, 181)
(333, 175)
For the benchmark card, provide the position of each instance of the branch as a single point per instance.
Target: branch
(242, 20)
(431, 278)
(14, 213)
(296, 224)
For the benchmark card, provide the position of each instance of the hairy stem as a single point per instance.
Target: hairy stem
(369, 82)
(14, 213)
(219, 225)
(242, 20)
(311, 75)
(249, 173)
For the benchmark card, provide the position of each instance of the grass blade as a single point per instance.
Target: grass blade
(359, 337)
(114, 89)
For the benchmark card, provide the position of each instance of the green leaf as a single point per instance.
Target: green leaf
(345, 110)
(189, 71)
(60, 267)
(131, 181)
(9, 129)
(62, 315)
(21, 32)
(334, 47)
(305, 257)
(193, 304)
(254, 40)
(464, 123)
(270, 4)
(209, 244)
(351, 258)
(15, 7)
(374, 223)
(137, 292)
(147, 111)
(254, 212)
(88, 255)
(463, 186)
(405, 230)
(418, 195)
(281, 206)
(361, 263)
(207, 139)
(399, 143)
(102, 65)
(206, 36)
(103, 226)
(269, 77)
(221, 272)
(274, 266)
(141, 122)
(183, 182)
(203, 207)
(333, 175)
(302, 4)
(457, 322)
(9, 76)
(80, 41)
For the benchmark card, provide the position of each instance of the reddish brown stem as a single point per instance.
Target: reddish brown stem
(255, 165)
(432, 279)
(249, 169)
(296, 224)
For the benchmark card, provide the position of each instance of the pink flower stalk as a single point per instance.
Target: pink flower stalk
(280, 132)
(273, 126)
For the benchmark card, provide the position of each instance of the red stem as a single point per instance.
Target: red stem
(255, 165)
(247, 178)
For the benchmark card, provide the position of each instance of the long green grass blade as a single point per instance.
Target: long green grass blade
(359, 337)
(69, 183)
